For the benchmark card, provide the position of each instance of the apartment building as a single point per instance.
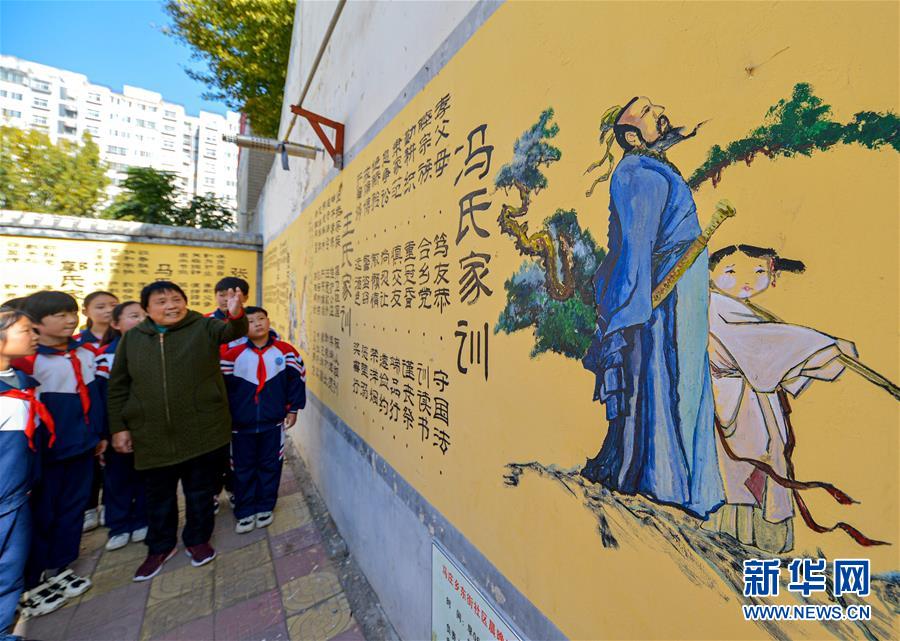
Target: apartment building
(134, 128)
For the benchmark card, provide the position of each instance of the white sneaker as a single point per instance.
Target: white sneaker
(101, 510)
(264, 519)
(139, 535)
(91, 520)
(118, 541)
(42, 600)
(245, 525)
(69, 584)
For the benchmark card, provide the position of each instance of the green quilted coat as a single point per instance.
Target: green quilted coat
(167, 389)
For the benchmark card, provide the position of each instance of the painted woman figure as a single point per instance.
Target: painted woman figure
(756, 362)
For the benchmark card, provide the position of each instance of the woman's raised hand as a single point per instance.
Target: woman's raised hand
(235, 304)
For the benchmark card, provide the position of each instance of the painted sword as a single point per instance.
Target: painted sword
(724, 211)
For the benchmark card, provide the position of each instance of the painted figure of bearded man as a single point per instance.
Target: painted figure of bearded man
(651, 363)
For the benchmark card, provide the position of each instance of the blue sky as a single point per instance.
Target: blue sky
(113, 43)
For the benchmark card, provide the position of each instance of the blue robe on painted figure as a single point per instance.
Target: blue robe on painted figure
(652, 365)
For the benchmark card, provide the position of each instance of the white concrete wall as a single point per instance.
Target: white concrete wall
(380, 56)
(377, 48)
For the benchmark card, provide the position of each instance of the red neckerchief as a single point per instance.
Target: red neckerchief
(261, 373)
(72, 356)
(35, 407)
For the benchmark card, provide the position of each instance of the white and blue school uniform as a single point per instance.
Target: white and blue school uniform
(237, 341)
(124, 498)
(228, 480)
(21, 415)
(68, 386)
(88, 337)
(244, 339)
(264, 385)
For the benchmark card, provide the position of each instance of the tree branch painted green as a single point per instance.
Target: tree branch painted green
(564, 327)
(523, 173)
(799, 126)
(531, 151)
(558, 302)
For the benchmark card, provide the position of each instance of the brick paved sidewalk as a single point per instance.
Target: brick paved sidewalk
(273, 584)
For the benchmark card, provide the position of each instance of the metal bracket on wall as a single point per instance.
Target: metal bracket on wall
(335, 150)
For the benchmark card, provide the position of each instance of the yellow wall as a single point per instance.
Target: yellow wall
(836, 210)
(79, 267)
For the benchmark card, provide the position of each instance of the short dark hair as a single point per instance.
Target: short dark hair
(233, 282)
(42, 304)
(15, 303)
(160, 286)
(9, 316)
(255, 310)
(619, 131)
(779, 264)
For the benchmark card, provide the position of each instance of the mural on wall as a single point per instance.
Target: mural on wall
(695, 377)
(79, 267)
(549, 338)
(299, 321)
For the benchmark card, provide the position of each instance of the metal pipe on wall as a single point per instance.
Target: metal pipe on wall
(271, 145)
(315, 66)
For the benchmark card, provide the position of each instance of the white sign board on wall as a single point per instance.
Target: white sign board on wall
(459, 610)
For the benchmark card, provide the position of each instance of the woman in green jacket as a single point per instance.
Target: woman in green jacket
(167, 405)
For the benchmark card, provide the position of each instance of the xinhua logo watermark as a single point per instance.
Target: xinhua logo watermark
(762, 578)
